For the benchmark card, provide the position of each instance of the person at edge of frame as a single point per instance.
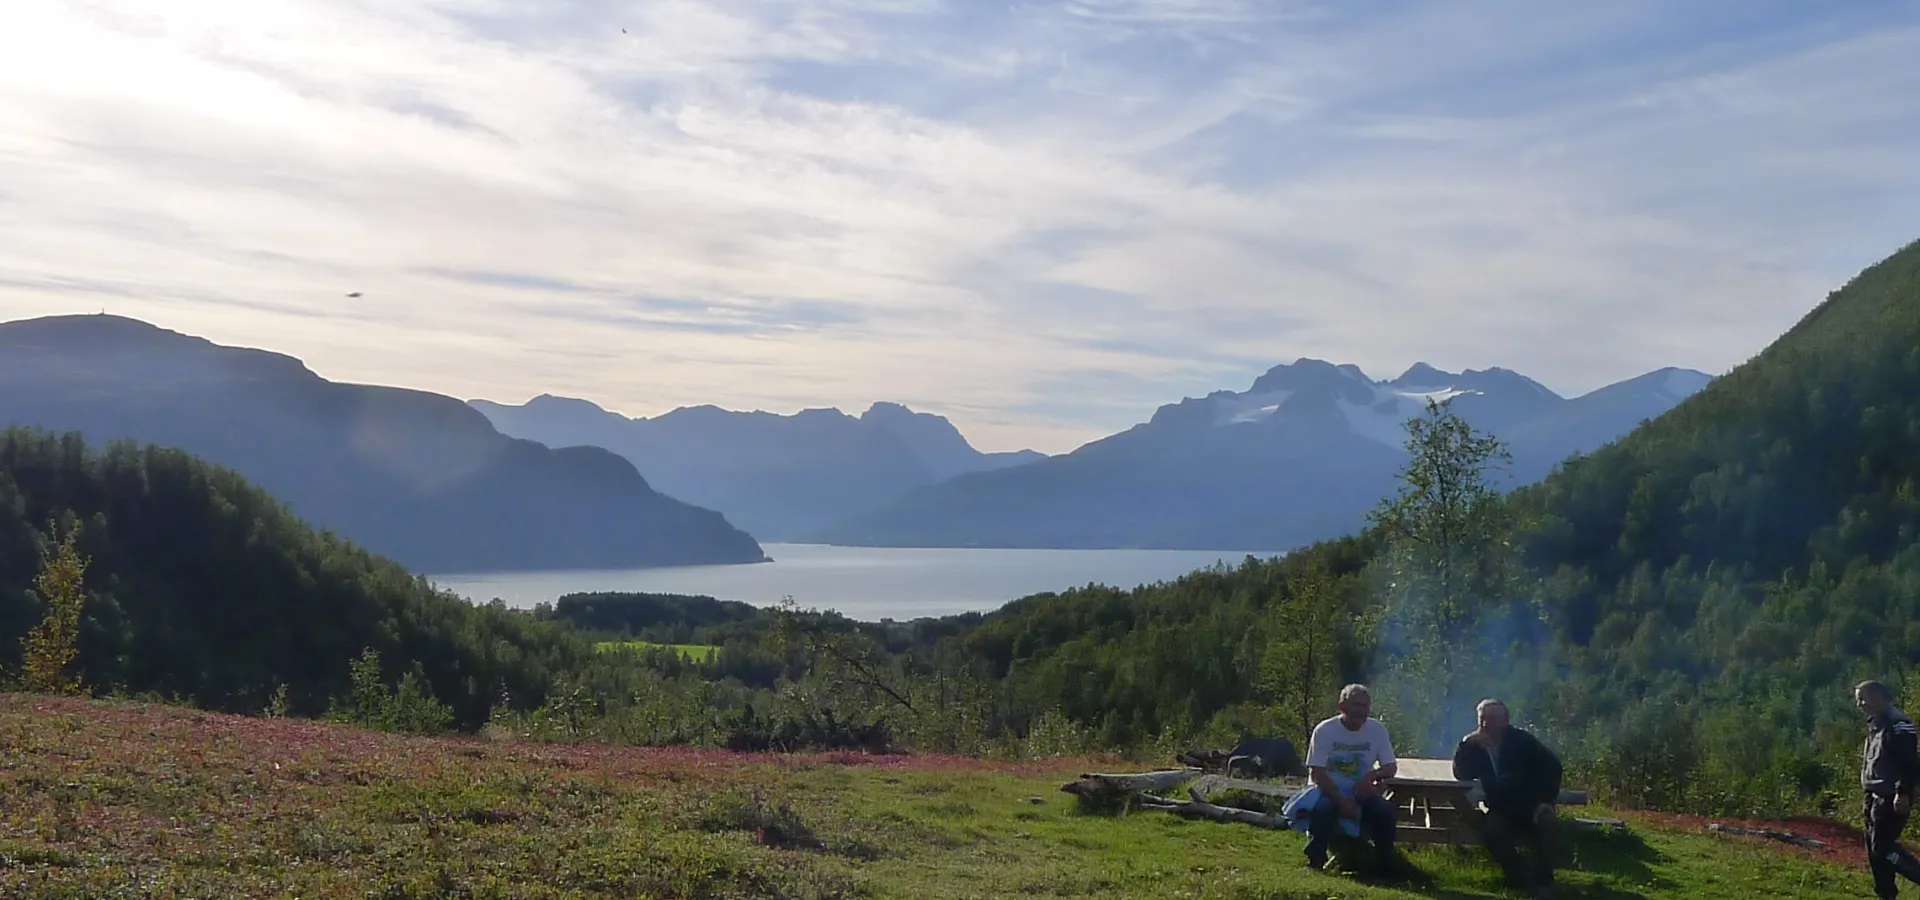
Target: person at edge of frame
(1889, 769)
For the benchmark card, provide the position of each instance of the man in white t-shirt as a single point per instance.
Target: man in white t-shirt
(1341, 759)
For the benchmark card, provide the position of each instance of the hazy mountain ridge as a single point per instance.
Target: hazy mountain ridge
(419, 477)
(779, 476)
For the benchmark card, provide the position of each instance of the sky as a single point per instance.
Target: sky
(1040, 219)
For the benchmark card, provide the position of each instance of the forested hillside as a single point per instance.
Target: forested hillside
(1722, 576)
(202, 587)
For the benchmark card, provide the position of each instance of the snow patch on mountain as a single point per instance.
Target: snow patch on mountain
(1375, 409)
(1440, 395)
(1232, 409)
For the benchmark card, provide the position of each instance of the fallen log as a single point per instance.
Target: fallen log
(1208, 785)
(1601, 824)
(1094, 785)
(1783, 836)
(1200, 809)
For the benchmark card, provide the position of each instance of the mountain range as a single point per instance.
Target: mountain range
(445, 486)
(1299, 456)
(778, 476)
(415, 476)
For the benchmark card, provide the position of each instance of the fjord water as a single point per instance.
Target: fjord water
(865, 583)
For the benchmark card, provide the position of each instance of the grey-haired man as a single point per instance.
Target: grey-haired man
(1349, 757)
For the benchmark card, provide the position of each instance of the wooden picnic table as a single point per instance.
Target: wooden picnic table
(1433, 806)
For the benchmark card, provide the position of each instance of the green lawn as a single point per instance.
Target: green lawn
(699, 653)
(123, 800)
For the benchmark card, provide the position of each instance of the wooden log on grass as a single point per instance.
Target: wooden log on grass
(1097, 785)
(1200, 809)
(1208, 785)
(1783, 836)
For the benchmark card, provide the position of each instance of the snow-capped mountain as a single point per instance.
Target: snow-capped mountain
(1379, 409)
(1298, 456)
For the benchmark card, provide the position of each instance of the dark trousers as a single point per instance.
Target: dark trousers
(1376, 822)
(1504, 831)
(1884, 854)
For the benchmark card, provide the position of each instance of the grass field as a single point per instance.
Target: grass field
(699, 653)
(110, 800)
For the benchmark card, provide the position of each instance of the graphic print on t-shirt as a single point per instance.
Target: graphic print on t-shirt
(1346, 757)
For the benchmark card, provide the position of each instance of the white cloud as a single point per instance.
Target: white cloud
(1042, 219)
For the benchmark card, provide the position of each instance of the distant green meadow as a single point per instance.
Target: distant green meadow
(700, 653)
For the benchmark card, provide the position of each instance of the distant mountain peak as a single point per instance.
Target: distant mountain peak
(553, 403)
(1496, 377)
(887, 408)
(1685, 382)
(1423, 375)
(1307, 373)
(96, 324)
(1672, 382)
(138, 350)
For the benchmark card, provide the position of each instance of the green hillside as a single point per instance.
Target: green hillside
(205, 589)
(1721, 576)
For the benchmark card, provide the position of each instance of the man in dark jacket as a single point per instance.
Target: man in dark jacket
(1889, 769)
(1521, 780)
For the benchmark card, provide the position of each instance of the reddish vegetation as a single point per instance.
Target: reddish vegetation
(285, 740)
(1845, 843)
(103, 794)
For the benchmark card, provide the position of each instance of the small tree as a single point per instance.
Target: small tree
(409, 708)
(1299, 671)
(367, 697)
(848, 661)
(50, 648)
(1448, 561)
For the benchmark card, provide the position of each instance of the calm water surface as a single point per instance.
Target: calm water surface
(867, 583)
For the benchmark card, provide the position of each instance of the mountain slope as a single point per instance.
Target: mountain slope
(1592, 420)
(1299, 456)
(415, 476)
(1809, 454)
(205, 588)
(778, 476)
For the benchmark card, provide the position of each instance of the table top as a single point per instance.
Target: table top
(1427, 772)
